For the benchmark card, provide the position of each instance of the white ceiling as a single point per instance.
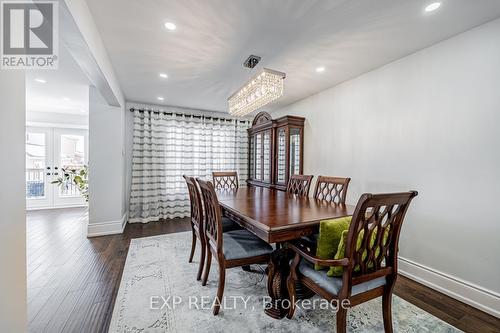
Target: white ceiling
(204, 56)
(66, 89)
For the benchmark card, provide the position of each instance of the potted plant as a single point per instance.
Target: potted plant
(77, 176)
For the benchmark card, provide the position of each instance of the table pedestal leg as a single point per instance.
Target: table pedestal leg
(279, 267)
(278, 271)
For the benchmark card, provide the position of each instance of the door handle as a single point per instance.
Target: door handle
(55, 173)
(48, 168)
(48, 173)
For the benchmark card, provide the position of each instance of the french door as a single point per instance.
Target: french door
(48, 150)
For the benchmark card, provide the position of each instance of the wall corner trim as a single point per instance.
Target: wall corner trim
(469, 293)
(107, 228)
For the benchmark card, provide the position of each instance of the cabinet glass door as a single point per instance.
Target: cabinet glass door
(267, 157)
(281, 163)
(251, 158)
(294, 151)
(258, 156)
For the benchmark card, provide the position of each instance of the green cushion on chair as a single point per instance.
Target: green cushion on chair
(330, 233)
(338, 270)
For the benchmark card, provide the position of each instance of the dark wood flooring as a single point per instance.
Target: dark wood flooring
(73, 280)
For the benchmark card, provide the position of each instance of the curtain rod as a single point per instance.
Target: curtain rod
(188, 115)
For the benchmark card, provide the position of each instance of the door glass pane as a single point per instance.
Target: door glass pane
(72, 152)
(267, 156)
(258, 157)
(281, 155)
(294, 151)
(35, 165)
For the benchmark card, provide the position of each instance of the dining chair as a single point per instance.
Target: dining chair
(225, 179)
(332, 189)
(197, 223)
(369, 262)
(299, 184)
(230, 249)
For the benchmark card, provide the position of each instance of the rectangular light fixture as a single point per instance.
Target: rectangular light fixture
(265, 87)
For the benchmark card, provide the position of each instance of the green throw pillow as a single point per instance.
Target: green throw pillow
(330, 232)
(338, 270)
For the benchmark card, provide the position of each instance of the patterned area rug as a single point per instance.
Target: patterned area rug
(159, 293)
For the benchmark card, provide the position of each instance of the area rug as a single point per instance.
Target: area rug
(159, 293)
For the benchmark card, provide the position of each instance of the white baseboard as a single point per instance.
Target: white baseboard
(469, 293)
(107, 228)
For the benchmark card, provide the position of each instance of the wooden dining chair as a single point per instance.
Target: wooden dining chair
(332, 189)
(299, 184)
(196, 222)
(230, 249)
(225, 179)
(370, 265)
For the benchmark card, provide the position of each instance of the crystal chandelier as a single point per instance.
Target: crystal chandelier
(260, 90)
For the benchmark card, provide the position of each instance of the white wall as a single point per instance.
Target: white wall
(107, 207)
(427, 122)
(107, 212)
(12, 202)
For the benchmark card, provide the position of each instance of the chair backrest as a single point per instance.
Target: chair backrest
(196, 204)
(332, 189)
(373, 236)
(213, 222)
(225, 179)
(299, 184)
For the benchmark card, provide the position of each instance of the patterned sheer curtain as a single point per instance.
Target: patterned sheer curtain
(169, 145)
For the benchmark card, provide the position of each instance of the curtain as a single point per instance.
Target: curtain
(167, 146)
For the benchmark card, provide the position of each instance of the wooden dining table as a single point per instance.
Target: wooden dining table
(276, 217)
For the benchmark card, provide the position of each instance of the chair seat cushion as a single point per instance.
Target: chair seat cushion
(229, 225)
(239, 244)
(333, 284)
(312, 239)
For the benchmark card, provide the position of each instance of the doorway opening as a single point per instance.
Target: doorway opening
(57, 112)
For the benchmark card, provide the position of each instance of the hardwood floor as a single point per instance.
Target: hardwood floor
(73, 280)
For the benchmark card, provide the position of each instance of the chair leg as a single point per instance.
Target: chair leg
(290, 284)
(193, 247)
(387, 311)
(220, 290)
(202, 261)
(342, 321)
(207, 267)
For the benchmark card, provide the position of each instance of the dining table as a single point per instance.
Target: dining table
(278, 217)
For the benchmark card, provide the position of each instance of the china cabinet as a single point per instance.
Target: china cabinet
(276, 150)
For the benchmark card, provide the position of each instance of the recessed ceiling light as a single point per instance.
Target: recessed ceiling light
(66, 99)
(163, 75)
(170, 26)
(433, 6)
(161, 98)
(320, 69)
(40, 80)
